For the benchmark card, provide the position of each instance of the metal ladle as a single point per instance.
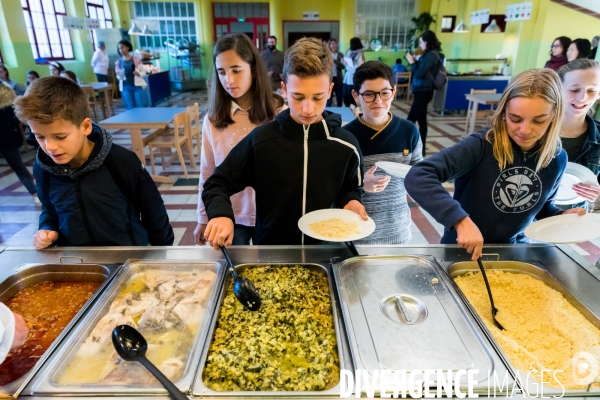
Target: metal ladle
(487, 285)
(131, 346)
(243, 288)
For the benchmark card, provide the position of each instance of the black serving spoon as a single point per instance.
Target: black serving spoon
(131, 346)
(487, 285)
(243, 288)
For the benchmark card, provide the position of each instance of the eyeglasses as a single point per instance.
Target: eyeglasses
(555, 46)
(370, 97)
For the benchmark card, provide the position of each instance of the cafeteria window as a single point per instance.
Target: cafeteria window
(48, 39)
(386, 20)
(176, 21)
(100, 10)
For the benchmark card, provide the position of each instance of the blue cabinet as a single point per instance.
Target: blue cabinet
(452, 96)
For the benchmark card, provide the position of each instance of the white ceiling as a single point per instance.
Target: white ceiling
(592, 5)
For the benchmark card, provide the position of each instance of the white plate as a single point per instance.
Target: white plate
(7, 335)
(565, 228)
(394, 168)
(365, 227)
(574, 173)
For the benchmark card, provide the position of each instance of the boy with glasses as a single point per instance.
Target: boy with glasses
(383, 137)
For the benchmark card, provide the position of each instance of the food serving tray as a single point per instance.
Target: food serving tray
(30, 274)
(200, 389)
(136, 295)
(538, 272)
(402, 314)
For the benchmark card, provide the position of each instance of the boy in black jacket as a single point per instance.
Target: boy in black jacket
(93, 192)
(301, 162)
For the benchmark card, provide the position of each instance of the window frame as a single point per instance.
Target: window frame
(168, 23)
(386, 20)
(103, 21)
(35, 29)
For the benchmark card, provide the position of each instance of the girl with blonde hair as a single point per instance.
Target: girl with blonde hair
(505, 176)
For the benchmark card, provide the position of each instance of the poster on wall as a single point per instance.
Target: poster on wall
(72, 22)
(92, 23)
(479, 17)
(519, 11)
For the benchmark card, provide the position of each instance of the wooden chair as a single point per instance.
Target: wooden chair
(195, 127)
(25, 144)
(93, 101)
(480, 114)
(406, 85)
(113, 81)
(176, 141)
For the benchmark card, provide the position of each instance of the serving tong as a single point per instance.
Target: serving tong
(487, 286)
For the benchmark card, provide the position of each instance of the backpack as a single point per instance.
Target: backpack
(438, 81)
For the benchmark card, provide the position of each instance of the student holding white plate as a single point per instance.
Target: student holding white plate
(580, 135)
(505, 177)
(383, 137)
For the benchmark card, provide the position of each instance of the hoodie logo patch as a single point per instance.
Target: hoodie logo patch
(517, 190)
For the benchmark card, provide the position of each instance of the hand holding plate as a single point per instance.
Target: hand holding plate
(357, 207)
(585, 190)
(375, 183)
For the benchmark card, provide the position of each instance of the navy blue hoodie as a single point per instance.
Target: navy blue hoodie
(502, 203)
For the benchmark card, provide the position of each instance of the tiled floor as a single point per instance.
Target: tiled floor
(18, 214)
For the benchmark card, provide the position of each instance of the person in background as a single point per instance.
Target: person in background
(354, 58)
(11, 140)
(506, 176)
(93, 192)
(20, 331)
(69, 75)
(241, 99)
(399, 67)
(55, 68)
(130, 72)
(5, 78)
(579, 48)
(301, 162)
(580, 135)
(595, 41)
(100, 63)
(423, 72)
(32, 76)
(558, 53)
(273, 60)
(383, 136)
(338, 75)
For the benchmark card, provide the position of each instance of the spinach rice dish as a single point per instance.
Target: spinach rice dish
(287, 345)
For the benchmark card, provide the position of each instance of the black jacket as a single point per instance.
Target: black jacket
(424, 70)
(10, 134)
(589, 156)
(271, 160)
(87, 207)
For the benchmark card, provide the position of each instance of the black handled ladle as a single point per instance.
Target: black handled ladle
(243, 288)
(487, 285)
(131, 346)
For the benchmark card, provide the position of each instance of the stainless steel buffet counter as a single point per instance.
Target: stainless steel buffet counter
(576, 275)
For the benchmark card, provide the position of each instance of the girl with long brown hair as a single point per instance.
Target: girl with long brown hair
(240, 99)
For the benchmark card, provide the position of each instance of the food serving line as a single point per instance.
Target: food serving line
(393, 307)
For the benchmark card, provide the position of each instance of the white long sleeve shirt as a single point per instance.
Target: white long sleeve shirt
(100, 62)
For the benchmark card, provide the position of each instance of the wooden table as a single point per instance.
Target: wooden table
(143, 118)
(477, 99)
(345, 112)
(106, 100)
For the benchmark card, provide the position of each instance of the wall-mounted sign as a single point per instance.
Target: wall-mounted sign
(519, 12)
(479, 17)
(72, 23)
(310, 15)
(92, 23)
